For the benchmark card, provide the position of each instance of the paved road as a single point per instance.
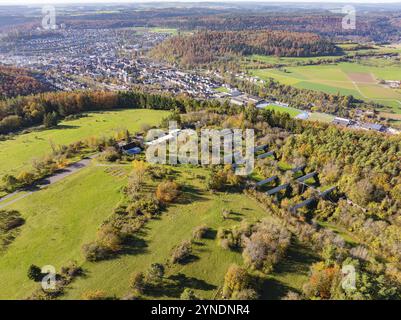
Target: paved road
(46, 182)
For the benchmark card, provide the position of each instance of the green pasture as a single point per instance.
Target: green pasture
(17, 153)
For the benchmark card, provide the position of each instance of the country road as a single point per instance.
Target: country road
(20, 194)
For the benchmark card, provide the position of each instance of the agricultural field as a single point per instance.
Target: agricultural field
(55, 237)
(358, 79)
(18, 153)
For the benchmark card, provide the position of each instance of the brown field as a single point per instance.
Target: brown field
(361, 77)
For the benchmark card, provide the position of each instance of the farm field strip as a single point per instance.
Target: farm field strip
(359, 80)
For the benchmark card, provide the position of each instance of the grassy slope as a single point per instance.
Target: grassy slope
(17, 154)
(58, 221)
(56, 227)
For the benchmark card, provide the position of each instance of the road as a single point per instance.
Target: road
(60, 175)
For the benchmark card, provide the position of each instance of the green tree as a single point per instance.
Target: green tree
(50, 119)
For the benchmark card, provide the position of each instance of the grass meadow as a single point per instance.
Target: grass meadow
(17, 153)
(61, 218)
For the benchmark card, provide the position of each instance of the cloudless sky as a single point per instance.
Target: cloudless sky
(9, 2)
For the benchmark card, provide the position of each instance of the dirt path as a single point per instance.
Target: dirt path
(39, 185)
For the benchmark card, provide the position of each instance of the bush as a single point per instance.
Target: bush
(137, 282)
(266, 246)
(50, 119)
(111, 154)
(94, 252)
(72, 270)
(109, 239)
(26, 178)
(181, 252)
(95, 295)
(34, 273)
(236, 279)
(167, 192)
(188, 294)
(246, 294)
(200, 232)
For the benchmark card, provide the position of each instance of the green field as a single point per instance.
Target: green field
(17, 154)
(293, 112)
(59, 220)
(56, 228)
(358, 79)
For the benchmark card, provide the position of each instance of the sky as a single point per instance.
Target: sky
(18, 2)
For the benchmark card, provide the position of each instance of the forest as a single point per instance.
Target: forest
(16, 81)
(206, 47)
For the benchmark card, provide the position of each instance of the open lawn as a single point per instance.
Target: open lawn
(358, 79)
(17, 154)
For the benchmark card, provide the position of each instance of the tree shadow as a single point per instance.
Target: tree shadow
(190, 194)
(210, 234)
(189, 259)
(134, 245)
(272, 289)
(298, 260)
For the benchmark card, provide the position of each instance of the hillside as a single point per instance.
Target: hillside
(210, 46)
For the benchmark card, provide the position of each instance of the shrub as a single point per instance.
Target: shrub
(321, 281)
(94, 252)
(188, 294)
(26, 178)
(245, 294)
(50, 119)
(109, 239)
(72, 270)
(111, 154)
(155, 273)
(137, 282)
(10, 183)
(95, 295)
(167, 191)
(291, 295)
(34, 273)
(235, 280)
(181, 252)
(200, 232)
(266, 245)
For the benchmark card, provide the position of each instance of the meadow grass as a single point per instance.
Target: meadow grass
(58, 221)
(66, 215)
(17, 153)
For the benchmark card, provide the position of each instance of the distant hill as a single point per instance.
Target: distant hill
(208, 46)
(16, 81)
